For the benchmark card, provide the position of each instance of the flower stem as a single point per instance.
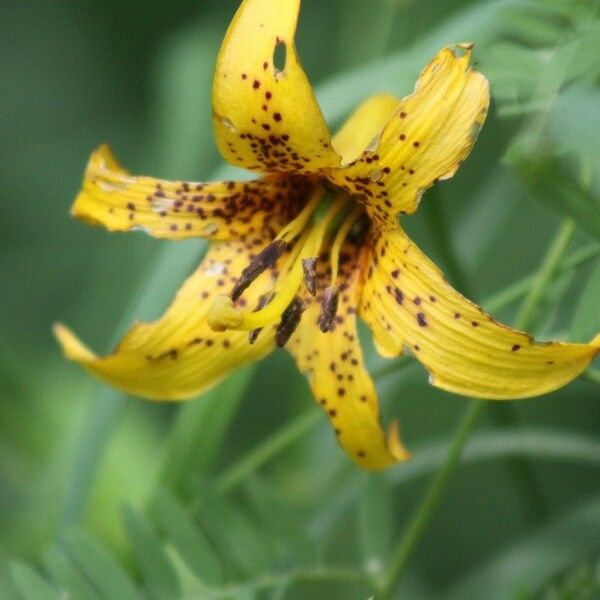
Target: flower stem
(401, 554)
(545, 273)
(266, 450)
(523, 474)
(425, 511)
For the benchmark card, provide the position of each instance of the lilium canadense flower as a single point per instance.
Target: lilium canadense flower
(296, 254)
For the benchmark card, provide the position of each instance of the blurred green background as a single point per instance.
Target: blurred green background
(244, 493)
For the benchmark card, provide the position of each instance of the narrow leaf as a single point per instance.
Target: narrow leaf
(103, 571)
(159, 578)
(67, 575)
(187, 538)
(30, 584)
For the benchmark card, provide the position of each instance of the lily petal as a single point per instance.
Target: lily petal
(409, 305)
(333, 364)
(179, 356)
(427, 138)
(363, 126)
(266, 116)
(178, 209)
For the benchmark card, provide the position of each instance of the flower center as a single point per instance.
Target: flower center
(298, 245)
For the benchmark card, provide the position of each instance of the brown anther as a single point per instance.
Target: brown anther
(309, 266)
(265, 259)
(262, 302)
(329, 306)
(290, 319)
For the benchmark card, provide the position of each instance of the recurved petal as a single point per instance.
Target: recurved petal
(408, 304)
(333, 364)
(426, 139)
(266, 116)
(179, 356)
(111, 197)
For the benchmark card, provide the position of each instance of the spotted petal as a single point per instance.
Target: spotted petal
(426, 139)
(111, 197)
(179, 356)
(266, 116)
(408, 304)
(333, 363)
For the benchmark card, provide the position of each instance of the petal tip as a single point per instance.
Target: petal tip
(72, 347)
(395, 446)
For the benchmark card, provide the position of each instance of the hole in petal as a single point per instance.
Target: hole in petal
(227, 123)
(279, 57)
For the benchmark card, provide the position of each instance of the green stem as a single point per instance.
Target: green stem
(279, 580)
(549, 266)
(420, 520)
(425, 511)
(529, 487)
(266, 450)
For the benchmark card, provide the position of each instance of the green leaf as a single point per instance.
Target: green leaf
(199, 429)
(30, 584)
(67, 575)
(527, 564)
(191, 585)
(103, 571)
(186, 537)
(238, 536)
(550, 183)
(586, 320)
(159, 578)
(375, 516)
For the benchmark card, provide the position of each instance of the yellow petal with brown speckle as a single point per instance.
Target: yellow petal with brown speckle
(265, 114)
(333, 364)
(430, 134)
(179, 356)
(408, 304)
(111, 197)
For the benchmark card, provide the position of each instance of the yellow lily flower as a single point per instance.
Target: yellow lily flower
(296, 254)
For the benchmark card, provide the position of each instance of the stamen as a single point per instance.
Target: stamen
(262, 302)
(329, 306)
(329, 301)
(295, 227)
(290, 319)
(339, 240)
(264, 260)
(287, 284)
(309, 267)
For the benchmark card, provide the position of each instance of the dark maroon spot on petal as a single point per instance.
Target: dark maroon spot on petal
(402, 115)
(421, 320)
(475, 323)
(244, 76)
(399, 296)
(332, 412)
(395, 273)
(416, 144)
(360, 454)
(402, 137)
(256, 84)
(417, 300)
(516, 347)
(457, 315)
(277, 116)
